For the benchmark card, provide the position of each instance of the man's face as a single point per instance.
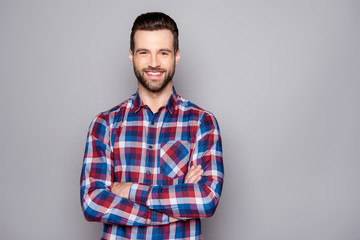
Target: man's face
(154, 58)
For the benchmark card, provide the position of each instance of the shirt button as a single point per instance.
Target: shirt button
(150, 147)
(152, 122)
(148, 171)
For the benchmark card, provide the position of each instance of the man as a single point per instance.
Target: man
(153, 164)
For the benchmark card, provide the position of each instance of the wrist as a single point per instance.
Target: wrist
(138, 193)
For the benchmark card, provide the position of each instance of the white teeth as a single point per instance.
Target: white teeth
(154, 73)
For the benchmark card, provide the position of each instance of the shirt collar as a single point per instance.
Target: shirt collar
(170, 106)
(137, 103)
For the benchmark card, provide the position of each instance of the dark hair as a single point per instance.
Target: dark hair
(152, 21)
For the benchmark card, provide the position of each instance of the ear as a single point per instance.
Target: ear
(177, 56)
(131, 56)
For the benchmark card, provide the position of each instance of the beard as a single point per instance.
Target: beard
(151, 85)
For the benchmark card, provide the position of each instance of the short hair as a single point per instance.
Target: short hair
(153, 21)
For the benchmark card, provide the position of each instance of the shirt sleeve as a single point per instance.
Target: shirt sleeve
(98, 203)
(190, 200)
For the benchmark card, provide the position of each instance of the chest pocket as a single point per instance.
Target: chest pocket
(174, 158)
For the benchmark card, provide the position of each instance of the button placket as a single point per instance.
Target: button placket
(153, 120)
(151, 146)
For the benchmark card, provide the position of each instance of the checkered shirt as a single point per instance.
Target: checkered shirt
(129, 143)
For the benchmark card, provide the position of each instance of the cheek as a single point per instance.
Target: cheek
(139, 63)
(169, 64)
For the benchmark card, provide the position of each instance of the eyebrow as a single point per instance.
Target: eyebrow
(141, 50)
(165, 50)
(160, 50)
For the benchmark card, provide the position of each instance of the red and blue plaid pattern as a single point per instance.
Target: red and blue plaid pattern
(129, 143)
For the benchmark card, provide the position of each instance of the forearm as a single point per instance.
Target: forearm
(180, 201)
(101, 205)
(123, 189)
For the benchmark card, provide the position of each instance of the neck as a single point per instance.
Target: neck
(155, 100)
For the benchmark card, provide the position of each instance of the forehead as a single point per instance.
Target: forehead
(154, 39)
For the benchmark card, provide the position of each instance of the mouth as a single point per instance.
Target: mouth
(154, 74)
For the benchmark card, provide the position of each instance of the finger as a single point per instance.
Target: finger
(198, 179)
(193, 173)
(188, 179)
(195, 170)
(195, 177)
(189, 174)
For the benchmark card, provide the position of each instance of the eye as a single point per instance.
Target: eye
(164, 53)
(142, 53)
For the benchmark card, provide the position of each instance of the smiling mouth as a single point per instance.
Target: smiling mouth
(154, 74)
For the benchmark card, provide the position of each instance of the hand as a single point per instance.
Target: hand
(172, 219)
(121, 189)
(194, 174)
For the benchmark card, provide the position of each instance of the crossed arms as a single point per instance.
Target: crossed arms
(192, 177)
(135, 204)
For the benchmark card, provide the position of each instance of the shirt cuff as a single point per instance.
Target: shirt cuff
(138, 193)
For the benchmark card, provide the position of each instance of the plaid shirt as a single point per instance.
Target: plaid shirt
(129, 143)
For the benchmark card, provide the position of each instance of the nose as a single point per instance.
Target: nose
(154, 61)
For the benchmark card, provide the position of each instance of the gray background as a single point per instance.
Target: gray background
(282, 77)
